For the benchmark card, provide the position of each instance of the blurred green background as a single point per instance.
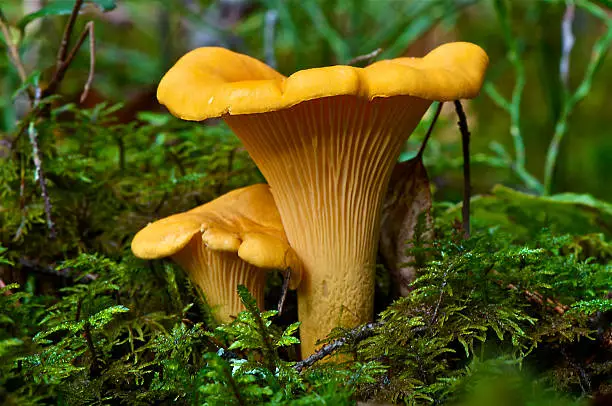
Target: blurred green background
(526, 100)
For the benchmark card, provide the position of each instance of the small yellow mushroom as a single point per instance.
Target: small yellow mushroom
(227, 242)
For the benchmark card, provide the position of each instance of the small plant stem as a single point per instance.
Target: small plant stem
(22, 203)
(11, 48)
(284, 289)
(121, 148)
(600, 48)
(38, 164)
(367, 58)
(519, 86)
(268, 351)
(567, 41)
(467, 182)
(92, 60)
(513, 107)
(434, 120)
(61, 69)
(95, 364)
(232, 382)
(63, 49)
(95, 367)
(271, 18)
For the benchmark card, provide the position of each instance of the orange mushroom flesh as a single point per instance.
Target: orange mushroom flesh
(326, 141)
(227, 242)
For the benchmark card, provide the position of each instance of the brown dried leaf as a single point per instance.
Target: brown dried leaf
(406, 217)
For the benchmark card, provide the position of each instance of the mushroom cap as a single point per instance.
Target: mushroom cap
(211, 82)
(244, 221)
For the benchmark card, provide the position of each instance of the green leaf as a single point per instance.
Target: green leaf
(61, 8)
(406, 221)
(525, 215)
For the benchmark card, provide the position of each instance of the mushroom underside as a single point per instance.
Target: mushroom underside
(328, 162)
(217, 274)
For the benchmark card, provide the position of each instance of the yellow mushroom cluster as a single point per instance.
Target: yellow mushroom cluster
(326, 140)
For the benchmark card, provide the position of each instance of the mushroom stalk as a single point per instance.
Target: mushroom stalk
(328, 162)
(218, 274)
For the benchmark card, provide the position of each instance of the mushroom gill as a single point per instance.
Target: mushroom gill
(227, 242)
(326, 140)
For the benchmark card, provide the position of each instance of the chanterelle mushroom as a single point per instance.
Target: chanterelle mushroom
(224, 243)
(326, 140)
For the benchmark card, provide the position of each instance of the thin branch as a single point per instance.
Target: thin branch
(61, 53)
(95, 368)
(430, 129)
(233, 385)
(513, 106)
(285, 288)
(599, 51)
(271, 18)
(567, 41)
(92, 60)
(357, 334)
(58, 76)
(467, 182)
(13, 51)
(12, 48)
(365, 58)
(22, 204)
(40, 173)
(121, 148)
(24, 123)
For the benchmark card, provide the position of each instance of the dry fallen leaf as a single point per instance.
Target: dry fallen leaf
(408, 202)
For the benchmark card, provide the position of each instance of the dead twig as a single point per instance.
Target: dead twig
(365, 58)
(61, 69)
(63, 49)
(467, 182)
(430, 129)
(38, 164)
(357, 334)
(284, 289)
(24, 123)
(92, 60)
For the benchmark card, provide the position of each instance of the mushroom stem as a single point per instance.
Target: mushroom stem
(328, 162)
(218, 275)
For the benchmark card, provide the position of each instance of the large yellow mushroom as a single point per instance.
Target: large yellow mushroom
(227, 242)
(326, 140)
